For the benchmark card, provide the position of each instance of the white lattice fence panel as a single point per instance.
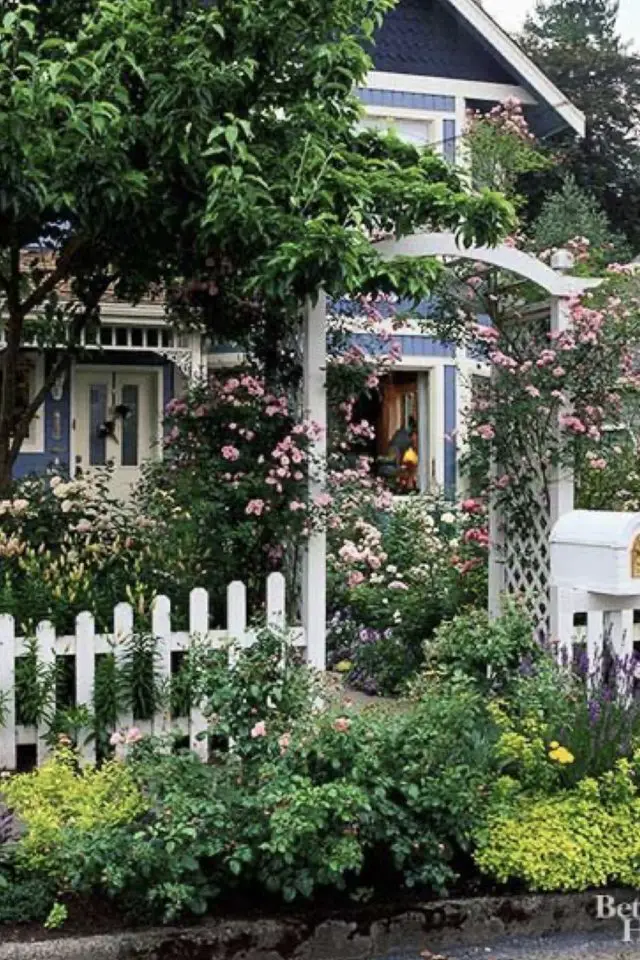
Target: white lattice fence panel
(526, 565)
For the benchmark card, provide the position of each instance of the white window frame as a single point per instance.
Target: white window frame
(34, 443)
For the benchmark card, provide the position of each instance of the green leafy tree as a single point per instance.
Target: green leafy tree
(571, 213)
(577, 45)
(208, 150)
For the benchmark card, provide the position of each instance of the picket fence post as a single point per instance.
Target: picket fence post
(236, 619)
(8, 759)
(85, 673)
(46, 643)
(161, 629)
(122, 634)
(276, 601)
(198, 629)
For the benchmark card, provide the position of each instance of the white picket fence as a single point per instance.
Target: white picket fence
(86, 644)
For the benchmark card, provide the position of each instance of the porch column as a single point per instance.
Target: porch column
(424, 452)
(314, 587)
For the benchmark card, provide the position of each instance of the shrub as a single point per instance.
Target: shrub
(585, 837)
(59, 798)
(488, 652)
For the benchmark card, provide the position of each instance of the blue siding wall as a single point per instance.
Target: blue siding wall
(412, 101)
(56, 450)
(450, 419)
(449, 140)
(410, 346)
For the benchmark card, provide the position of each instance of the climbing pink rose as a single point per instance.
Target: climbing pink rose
(260, 730)
(133, 735)
(230, 453)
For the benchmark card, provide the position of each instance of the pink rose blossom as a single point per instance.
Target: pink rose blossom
(255, 507)
(485, 431)
(284, 742)
(133, 735)
(230, 453)
(259, 730)
(355, 579)
(116, 739)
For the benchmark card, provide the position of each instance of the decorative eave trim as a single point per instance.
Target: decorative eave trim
(492, 32)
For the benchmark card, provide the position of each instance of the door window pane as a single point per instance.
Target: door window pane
(130, 425)
(97, 418)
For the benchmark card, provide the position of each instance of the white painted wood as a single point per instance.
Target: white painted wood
(122, 634)
(561, 621)
(46, 641)
(424, 447)
(85, 645)
(276, 608)
(161, 629)
(436, 465)
(314, 573)
(591, 551)
(446, 87)
(7, 688)
(199, 629)
(508, 258)
(595, 642)
(85, 677)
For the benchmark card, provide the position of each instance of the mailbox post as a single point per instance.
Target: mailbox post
(595, 570)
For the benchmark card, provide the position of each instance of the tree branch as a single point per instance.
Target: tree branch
(50, 282)
(60, 366)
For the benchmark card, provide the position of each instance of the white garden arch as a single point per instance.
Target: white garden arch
(503, 572)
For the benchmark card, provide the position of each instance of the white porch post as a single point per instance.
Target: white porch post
(314, 588)
(424, 453)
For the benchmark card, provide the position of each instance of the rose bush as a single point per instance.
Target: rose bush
(395, 572)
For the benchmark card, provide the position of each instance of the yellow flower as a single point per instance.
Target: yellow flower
(561, 755)
(554, 745)
(344, 666)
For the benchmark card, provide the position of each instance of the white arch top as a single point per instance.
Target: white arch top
(507, 258)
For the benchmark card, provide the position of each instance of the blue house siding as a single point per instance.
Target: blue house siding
(450, 419)
(57, 422)
(449, 140)
(410, 346)
(411, 101)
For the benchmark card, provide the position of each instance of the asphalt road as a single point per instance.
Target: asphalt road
(560, 947)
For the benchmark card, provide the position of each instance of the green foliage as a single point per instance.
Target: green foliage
(57, 797)
(487, 652)
(502, 148)
(268, 684)
(586, 837)
(571, 212)
(24, 899)
(577, 44)
(226, 168)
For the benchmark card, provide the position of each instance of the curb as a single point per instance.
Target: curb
(367, 934)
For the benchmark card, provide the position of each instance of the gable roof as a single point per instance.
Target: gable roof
(458, 40)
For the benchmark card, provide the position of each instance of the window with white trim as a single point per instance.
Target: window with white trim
(30, 377)
(419, 132)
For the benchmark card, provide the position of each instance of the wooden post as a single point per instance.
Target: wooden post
(122, 634)
(314, 587)
(161, 630)
(46, 637)
(85, 674)
(198, 631)
(560, 492)
(424, 452)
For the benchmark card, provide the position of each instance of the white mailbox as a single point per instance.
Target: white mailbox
(598, 552)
